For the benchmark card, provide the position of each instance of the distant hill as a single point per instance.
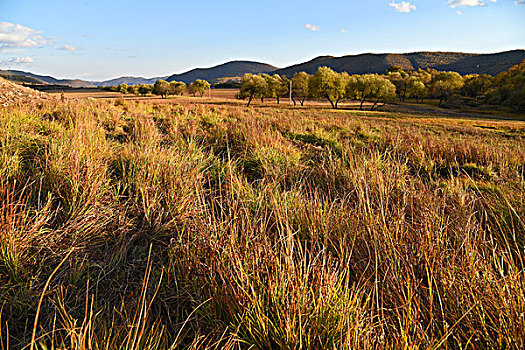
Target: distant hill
(229, 69)
(463, 63)
(232, 70)
(30, 78)
(128, 81)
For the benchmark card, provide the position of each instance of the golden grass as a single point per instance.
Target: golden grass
(219, 226)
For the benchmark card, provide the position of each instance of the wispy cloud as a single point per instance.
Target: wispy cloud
(459, 12)
(520, 2)
(403, 6)
(68, 48)
(84, 75)
(471, 3)
(312, 27)
(344, 31)
(18, 61)
(16, 36)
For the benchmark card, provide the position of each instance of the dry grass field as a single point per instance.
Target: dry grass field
(220, 94)
(134, 224)
(228, 97)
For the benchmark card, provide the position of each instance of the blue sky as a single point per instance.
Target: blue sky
(96, 40)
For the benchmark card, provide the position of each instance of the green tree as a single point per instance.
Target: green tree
(123, 88)
(161, 87)
(423, 75)
(445, 84)
(400, 79)
(300, 87)
(394, 69)
(252, 86)
(283, 88)
(352, 88)
(145, 89)
(269, 92)
(416, 89)
(476, 85)
(372, 87)
(199, 86)
(133, 89)
(383, 90)
(177, 87)
(508, 88)
(326, 83)
(276, 86)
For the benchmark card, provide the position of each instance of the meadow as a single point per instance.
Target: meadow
(141, 225)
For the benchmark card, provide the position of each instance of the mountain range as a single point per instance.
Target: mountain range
(463, 63)
(30, 78)
(229, 69)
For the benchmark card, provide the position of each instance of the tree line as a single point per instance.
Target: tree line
(163, 88)
(507, 88)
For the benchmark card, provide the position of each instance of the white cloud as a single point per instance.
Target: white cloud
(459, 12)
(403, 6)
(13, 36)
(454, 3)
(312, 27)
(68, 48)
(344, 31)
(520, 2)
(18, 61)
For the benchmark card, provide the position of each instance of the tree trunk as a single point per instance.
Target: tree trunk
(262, 99)
(278, 100)
(331, 102)
(302, 101)
(361, 106)
(249, 101)
(374, 105)
(294, 103)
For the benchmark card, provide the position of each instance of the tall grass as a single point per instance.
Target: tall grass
(143, 226)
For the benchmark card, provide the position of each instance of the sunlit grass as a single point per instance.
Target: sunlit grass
(182, 225)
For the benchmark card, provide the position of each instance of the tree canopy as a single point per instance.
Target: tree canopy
(509, 88)
(445, 84)
(161, 87)
(177, 87)
(199, 86)
(326, 83)
(252, 86)
(300, 87)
